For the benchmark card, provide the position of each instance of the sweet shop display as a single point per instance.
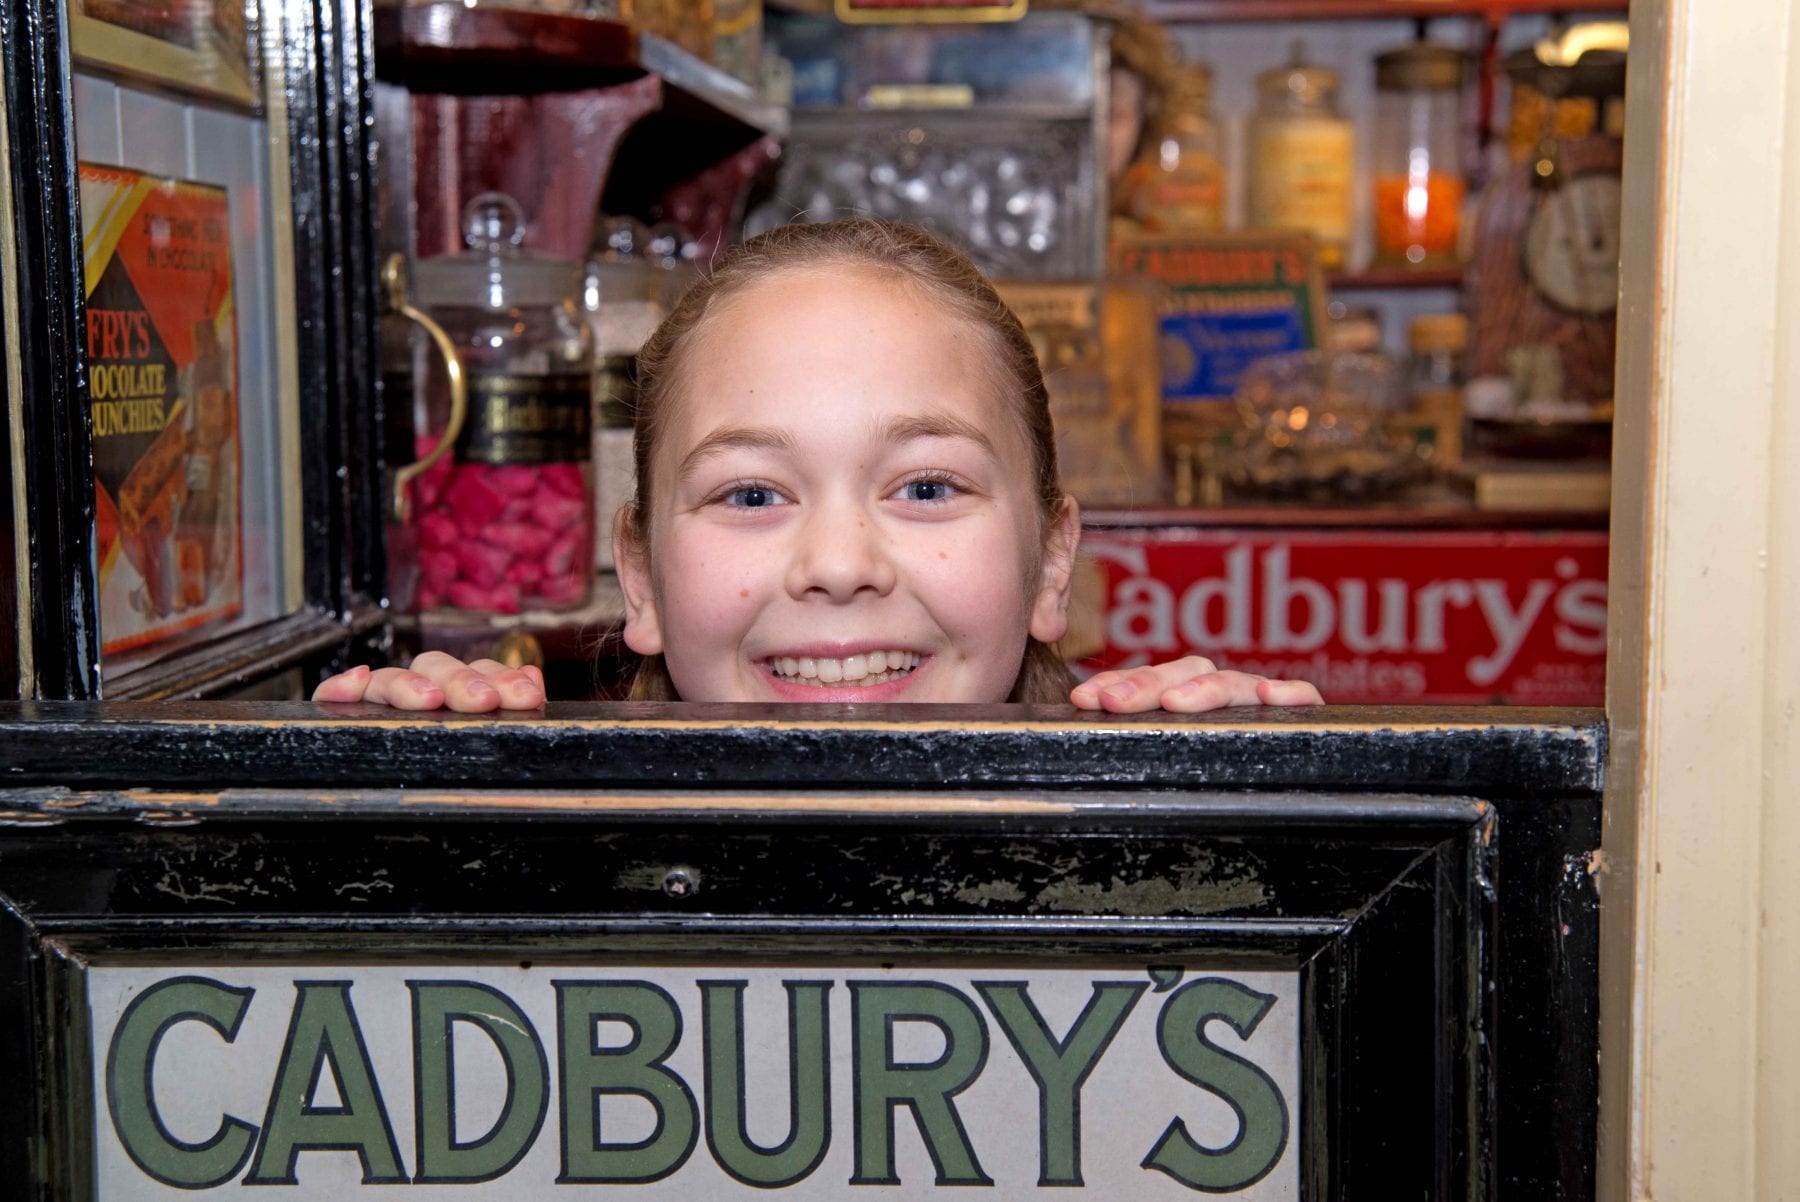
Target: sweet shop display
(1264, 275)
(505, 522)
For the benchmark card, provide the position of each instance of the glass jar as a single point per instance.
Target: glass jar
(1316, 425)
(1180, 185)
(1435, 378)
(506, 521)
(1417, 160)
(1302, 157)
(622, 293)
(674, 254)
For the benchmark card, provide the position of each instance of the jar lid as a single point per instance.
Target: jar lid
(1438, 332)
(1352, 327)
(1298, 83)
(1191, 84)
(1420, 66)
(494, 273)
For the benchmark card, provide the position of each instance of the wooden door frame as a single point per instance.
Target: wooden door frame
(1700, 909)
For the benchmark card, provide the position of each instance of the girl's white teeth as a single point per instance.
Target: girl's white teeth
(873, 667)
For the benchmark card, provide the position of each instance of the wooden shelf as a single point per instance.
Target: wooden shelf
(1383, 279)
(1427, 510)
(1492, 11)
(448, 48)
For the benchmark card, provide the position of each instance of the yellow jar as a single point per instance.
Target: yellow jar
(1179, 185)
(1302, 158)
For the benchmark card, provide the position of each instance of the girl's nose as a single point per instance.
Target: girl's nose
(840, 553)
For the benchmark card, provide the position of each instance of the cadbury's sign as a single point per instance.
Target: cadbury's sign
(1416, 617)
(488, 1082)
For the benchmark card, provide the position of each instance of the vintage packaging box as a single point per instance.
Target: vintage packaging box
(162, 384)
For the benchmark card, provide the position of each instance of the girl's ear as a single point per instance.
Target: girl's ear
(1056, 575)
(631, 558)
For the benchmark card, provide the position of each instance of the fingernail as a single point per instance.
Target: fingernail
(1123, 691)
(481, 688)
(1185, 691)
(361, 671)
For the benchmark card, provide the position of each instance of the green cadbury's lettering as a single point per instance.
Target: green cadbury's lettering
(131, 1069)
(323, 1033)
(925, 1089)
(638, 1069)
(809, 1084)
(1261, 1112)
(1060, 1068)
(441, 1157)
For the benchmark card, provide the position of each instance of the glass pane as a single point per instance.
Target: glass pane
(185, 214)
(9, 546)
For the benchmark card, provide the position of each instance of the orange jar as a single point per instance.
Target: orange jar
(1417, 160)
(1418, 221)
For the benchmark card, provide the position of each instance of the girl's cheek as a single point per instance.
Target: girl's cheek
(714, 574)
(968, 577)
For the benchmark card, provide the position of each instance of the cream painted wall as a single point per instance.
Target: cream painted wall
(1700, 966)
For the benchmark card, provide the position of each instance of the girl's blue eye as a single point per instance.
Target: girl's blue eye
(753, 496)
(927, 490)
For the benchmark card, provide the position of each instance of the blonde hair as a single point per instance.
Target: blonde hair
(913, 256)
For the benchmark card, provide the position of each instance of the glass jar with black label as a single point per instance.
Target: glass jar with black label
(506, 522)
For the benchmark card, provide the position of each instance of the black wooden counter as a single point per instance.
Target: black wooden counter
(1430, 874)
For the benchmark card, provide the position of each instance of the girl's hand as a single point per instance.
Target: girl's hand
(439, 681)
(1186, 686)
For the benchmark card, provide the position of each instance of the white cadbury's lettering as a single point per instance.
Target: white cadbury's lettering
(1258, 604)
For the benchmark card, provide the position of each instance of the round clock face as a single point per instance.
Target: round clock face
(1572, 244)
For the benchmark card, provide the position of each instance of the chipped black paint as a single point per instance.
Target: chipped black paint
(1337, 839)
(1537, 752)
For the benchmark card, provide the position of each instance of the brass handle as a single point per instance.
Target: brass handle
(516, 648)
(393, 280)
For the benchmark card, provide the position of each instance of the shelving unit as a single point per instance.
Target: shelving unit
(1385, 278)
(609, 111)
(1344, 35)
(1492, 11)
(447, 48)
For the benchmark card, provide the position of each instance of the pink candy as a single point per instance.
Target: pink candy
(482, 565)
(473, 502)
(557, 513)
(498, 539)
(436, 531)
(500, 599)
(519, 538)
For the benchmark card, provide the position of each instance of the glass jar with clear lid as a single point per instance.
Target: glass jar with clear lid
(1179, 186)
(506, 521)
(624, 293)
(1302, 157)
(1417, 158)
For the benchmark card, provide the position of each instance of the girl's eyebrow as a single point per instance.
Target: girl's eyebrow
(734, 438)
(936, 425)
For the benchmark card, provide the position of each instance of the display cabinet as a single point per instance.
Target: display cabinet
(194, 203)
(190, 383)
(989, 135)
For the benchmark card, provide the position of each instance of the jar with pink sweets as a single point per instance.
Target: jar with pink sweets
(506, 522)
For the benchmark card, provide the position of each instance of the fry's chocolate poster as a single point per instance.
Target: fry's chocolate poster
(162, 386)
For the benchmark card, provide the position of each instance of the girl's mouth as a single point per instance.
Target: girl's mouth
(852, 671)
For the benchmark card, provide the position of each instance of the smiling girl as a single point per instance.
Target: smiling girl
(847, 491)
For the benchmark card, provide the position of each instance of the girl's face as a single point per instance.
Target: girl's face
(843, 507)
